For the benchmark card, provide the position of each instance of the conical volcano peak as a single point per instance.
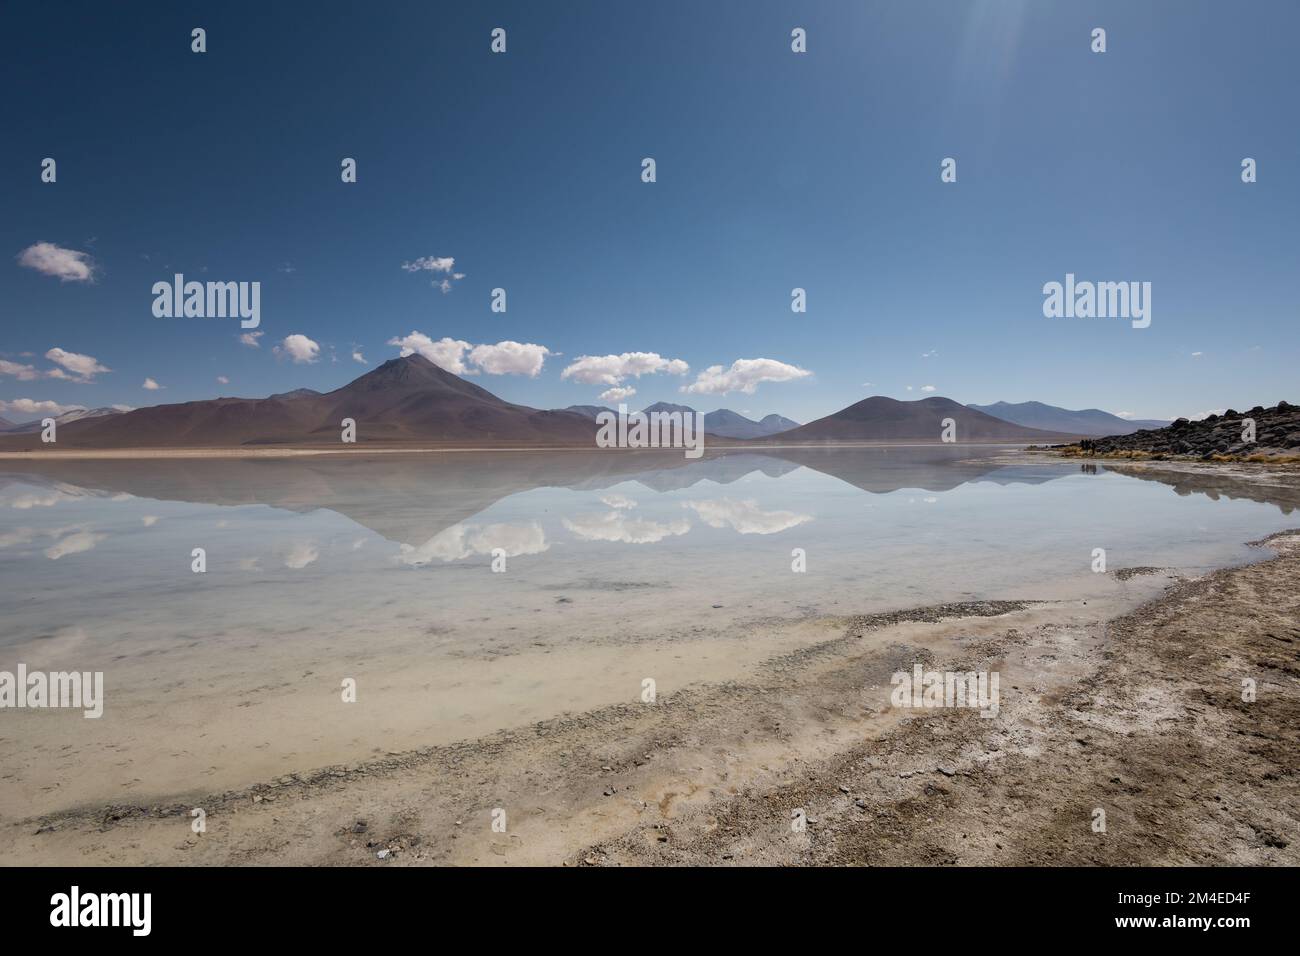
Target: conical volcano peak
(407, 368)
(415, 372)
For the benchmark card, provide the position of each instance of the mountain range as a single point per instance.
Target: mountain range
(75, 415)
(406, 399)
(1087, 421)
(887, 419)
(412, 400)
(723, 423)
(731, 424)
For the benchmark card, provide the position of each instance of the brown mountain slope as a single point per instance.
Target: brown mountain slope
(411, 398)
(881, 419)
(405, 399)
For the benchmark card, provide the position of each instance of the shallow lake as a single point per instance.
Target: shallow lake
(379, 569)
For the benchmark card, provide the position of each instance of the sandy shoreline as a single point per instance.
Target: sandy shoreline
(1139, 715)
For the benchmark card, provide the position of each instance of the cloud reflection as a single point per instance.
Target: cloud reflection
(462, 541)
(745, 517)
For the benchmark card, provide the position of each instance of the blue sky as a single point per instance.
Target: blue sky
(774, 171)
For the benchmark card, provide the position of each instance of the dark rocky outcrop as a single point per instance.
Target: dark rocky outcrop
(1277, 432)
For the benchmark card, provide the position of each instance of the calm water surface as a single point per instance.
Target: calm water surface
(318, 545)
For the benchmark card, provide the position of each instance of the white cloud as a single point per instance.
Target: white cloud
(617, 394)
(503, 358)
(1197, 354)
(251, 339)
(618, 501)
(446, 353)
(299, 348)
(1124, 414)
(223, 380)
(443, 264)
(124, 408)
(151, 385)
(358, 357)
(82, 368)
(27, 406)
(614, 369)
(745, 516)
(66, 265)
(24, 373)
(928, 388)
(430, 264)
(510, 358)
(930, 354)
(744, 376)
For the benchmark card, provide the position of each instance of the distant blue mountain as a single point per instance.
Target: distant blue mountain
(724, 422)
(1087, 421)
